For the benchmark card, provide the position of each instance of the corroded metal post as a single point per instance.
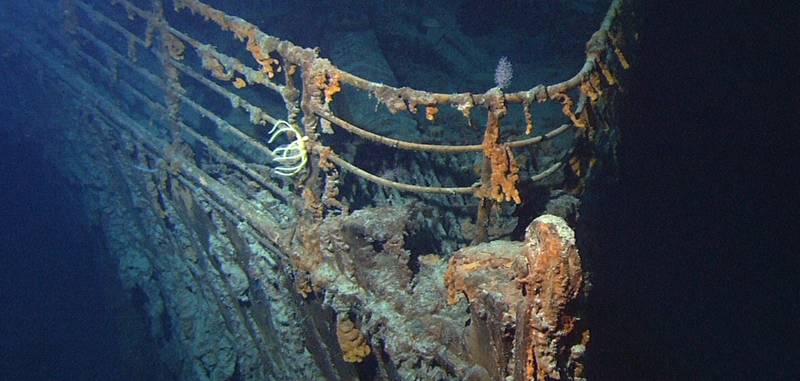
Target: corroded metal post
(532, 288)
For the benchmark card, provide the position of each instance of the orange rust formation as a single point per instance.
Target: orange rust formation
(174, 46)
(592, 87)
(268, 64)
(212, 64)
(258, 44)
(328, 83)
(534, 288)
(553, 282)
(504, 168)
(568, 104)
(430, 113)
(333, 87)
(471, 270)
(529, 125)
(239, 83)
(351, 341)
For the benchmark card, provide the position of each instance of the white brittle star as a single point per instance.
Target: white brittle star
(293, 156)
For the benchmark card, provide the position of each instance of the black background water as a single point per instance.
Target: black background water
(55, 323)
(60, 300)
(696, 278)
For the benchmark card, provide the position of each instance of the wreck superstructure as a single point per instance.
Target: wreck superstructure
(267, 243)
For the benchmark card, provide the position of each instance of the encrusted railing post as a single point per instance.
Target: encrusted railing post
(500, 172)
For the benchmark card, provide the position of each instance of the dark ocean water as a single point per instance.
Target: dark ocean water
(693, 278)
(56, 284)
(697, 277)
(56, 323)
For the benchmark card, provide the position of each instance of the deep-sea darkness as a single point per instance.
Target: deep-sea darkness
(695, 270)
(56, 319)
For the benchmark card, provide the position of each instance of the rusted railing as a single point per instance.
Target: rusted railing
(320, 82)
(323, 78)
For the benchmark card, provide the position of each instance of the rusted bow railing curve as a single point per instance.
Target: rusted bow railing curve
(322, 80)
(305, 157)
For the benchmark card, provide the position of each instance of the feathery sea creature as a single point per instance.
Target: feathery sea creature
(292, 156)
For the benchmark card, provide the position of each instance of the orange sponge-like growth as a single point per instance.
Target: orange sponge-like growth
(430, 113)
(352, 342)
(505, 171)
(239, 83)
(333, 87)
